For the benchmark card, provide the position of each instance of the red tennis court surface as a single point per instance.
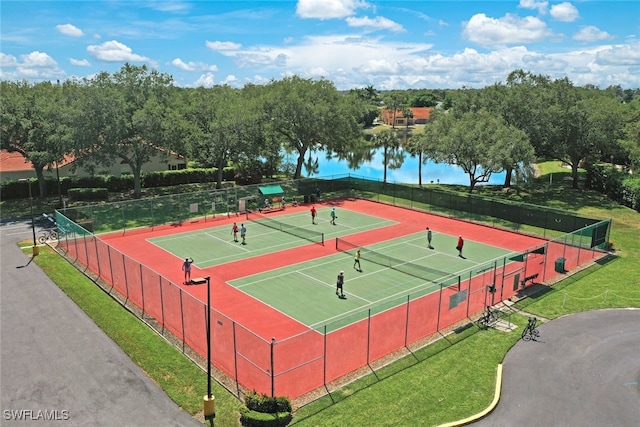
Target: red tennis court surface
(262, 349)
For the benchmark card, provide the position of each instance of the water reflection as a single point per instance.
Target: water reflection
(408, 173)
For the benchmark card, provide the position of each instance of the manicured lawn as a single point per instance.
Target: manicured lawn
(448, 380)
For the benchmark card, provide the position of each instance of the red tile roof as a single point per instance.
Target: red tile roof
(14, 162)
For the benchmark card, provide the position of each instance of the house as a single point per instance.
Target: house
(420, 116)
(13, 166)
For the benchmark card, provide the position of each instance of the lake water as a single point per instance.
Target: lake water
(407, 174)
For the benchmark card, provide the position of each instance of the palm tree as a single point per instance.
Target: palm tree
(393, 155)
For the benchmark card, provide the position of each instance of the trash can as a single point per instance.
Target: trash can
(560, 265)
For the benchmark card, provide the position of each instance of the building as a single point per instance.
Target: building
(420, 116)
(13, 166)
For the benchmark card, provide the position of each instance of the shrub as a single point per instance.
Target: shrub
(264, 403)
(265, 411)
(77, 194)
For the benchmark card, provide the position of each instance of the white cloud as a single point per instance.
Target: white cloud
(80, 62)
(193, 66)
(378, 23)
(70, 30)
(230, 80)
(540, 6)
(169, 6)
(38, 59)
(565, 12)
(114, 51)
(205, 80)
(591, 33)
(329, 9)
(32, 66)
(619, 55)
(7, 61)
(510, 29)
(220, 46)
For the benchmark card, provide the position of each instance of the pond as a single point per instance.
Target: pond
(407, 174)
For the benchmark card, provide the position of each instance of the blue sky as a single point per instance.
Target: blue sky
(354, 43)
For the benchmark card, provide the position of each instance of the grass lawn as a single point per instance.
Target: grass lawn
(448, 380)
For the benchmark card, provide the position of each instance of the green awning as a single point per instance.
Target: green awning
(519, 258)
(270, 190)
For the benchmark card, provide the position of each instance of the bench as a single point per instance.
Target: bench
(529, 279)
(271, 209)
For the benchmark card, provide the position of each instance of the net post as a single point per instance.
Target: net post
(337, 244)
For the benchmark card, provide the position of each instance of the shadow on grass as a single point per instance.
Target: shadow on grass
(408, 361)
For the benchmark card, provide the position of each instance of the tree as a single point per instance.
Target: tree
(631, 138)
(126, 117)
(35, 124)
(423, 98)
(392, 154)
(477, 142)
(394, 101)
(310, 115)
(582, 123)
(417, 145)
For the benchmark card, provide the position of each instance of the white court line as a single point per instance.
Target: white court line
(330, 286)
(233, 244)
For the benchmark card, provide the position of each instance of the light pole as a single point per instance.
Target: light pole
(209, 399)
(33, 223)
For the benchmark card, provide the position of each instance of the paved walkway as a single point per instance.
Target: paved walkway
(56, 363)
(583, 371)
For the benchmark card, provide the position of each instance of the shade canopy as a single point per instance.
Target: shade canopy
(270, 190)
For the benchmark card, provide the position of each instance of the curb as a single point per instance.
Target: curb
(487, 410)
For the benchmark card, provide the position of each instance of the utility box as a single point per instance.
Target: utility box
(560, 265)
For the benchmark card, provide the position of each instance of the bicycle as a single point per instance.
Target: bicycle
(488, 317)
(530, 333)
(48, 235)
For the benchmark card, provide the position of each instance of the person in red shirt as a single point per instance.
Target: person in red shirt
(460, 245)
(234, 231)
(313, 214)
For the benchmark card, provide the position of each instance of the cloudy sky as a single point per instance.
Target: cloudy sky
(354, 43)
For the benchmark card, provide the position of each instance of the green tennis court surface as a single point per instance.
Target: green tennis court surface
(306, 291)
(215, 245)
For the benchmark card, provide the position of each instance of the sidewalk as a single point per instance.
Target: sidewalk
(56, 366)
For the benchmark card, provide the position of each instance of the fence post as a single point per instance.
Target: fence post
(406, 323)
(273, 379)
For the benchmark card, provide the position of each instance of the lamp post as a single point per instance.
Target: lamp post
(209, 399)
(33, 223)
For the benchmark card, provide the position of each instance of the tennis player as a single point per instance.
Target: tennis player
(340, 284)
(243, 234)
(333, 216)
(429, 237)
(356, 260)
(460, 245)
(313, 214)
(234, 231)
(186, 267)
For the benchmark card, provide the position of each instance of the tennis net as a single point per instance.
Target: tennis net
(415, 270)
(294, 230)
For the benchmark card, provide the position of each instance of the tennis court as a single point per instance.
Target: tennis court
(265, 234)
(276, 323)
(390, 271)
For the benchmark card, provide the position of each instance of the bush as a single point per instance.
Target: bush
(264, 403)
(78, 194)
(265, 411)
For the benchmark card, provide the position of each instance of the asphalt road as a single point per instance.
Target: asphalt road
(583, 371)
(56, 366)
